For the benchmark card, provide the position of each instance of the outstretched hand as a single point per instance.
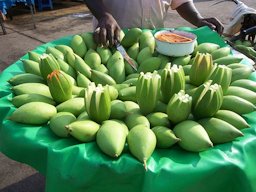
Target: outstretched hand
(107, 31)
(213, 23)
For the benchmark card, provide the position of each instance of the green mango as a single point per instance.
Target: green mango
(115, 57)
(65, 67)
(147, 40)
(158, 119)
(55, 52)
(70, 58)
(118, 109)
(59, 121)
(131, 37)
(135, 119)
(102, 68)
(75, 106)
(92, 58)
(84, 130)
(165, 137)
(142, 143)
(219, 131)
(184, 60)
(150, 65)
(128, 68)
(102, 78)
(193, 136)
(131, 107)
(88, 40)
(26, 78)
(64, 49)
(221, 52)
(143, 55)
(104, 54)
(133, 51)
(83, 116)
(34, 56)
(37, 88)
(27, 114)
(127, 94)
(111, 137)
(31, 67)
(82, 81)
(117, 70)
(82, 67)
(20, 100)
(78, 45)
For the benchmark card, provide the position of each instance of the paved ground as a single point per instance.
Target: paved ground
(66, 19)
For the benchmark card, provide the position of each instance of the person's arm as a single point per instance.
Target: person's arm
(107, 30)
(189, 12)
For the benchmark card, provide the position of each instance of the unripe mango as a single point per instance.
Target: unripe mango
(219, 131)
(111, 137)
(59, 121)
(28, 115)
(31, 67)
(84, 131)
(34, 56)
(193, 136)
(88, 40)
(75, 106)
(37, 88)
(133, 51)
(135, 119)
(26, 78)
(78, 45)
(131, 37)
(104, 54)
(55, 52)
(20, 100)
(164, 136)
(158, 119)
(118, 109)
(142, 142)
(92, 58)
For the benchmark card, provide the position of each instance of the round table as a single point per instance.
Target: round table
(70, 166)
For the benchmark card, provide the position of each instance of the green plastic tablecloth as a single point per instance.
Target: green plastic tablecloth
(70, 166)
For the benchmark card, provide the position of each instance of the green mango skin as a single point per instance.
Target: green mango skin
(158, 119)
(27, 114)
(92, 58)
(131, 37)
(220, 131)
(34, 56)
(78, 45)
(89, 41)
(193, 136)
(83, 131)
(111, 137)
(135, 119)
(55, 52)
(20, 100)
(26, 78)
(164, 136)
(27, 88)
(142, 143)
(59, 121)
(118, 110)
(104, 53)
(75, 106)
(31, 67)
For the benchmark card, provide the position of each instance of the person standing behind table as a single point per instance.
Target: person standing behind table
(110, 16)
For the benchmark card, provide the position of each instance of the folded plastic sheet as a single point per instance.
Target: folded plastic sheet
(70, 166)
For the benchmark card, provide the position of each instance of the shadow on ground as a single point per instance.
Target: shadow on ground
(35, 182)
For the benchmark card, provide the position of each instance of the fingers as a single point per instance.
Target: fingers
(216, 23)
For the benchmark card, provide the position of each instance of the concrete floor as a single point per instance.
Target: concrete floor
(66, 19)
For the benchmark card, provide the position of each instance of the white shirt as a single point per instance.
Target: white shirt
(140, 13)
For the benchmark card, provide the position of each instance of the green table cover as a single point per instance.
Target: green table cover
(70, 166)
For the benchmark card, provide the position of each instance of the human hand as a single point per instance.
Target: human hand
(107, 31)
(213, 23)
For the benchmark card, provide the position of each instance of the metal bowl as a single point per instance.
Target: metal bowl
(176, 49)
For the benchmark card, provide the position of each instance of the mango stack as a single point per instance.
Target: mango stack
(92, 94)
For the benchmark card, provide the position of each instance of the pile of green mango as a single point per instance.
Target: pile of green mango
(91, 93)
(246, 47)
